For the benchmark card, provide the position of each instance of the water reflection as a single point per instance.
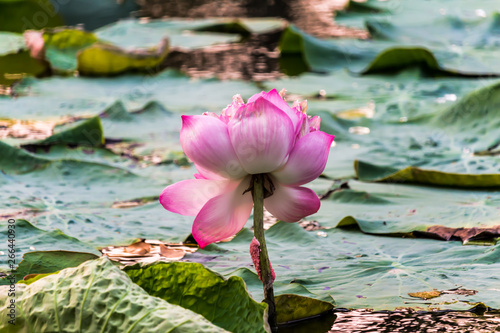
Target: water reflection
(411, 321)
(343, 320)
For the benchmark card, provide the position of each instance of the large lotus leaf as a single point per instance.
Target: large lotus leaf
(15, 160)
(181, 33)
(29, 238)
(78, 197)
(95, 297)
(398, 209)
(20, 15)
(155, 135)
(459, 23)
(43, 262)
(58, 97)
(107, 59)
(387, 56)
(472, 125)
(355, 13)
(242, 26)
(396, 59)
(370, 172)
(363, 271)
(407, 121)
(86, 154)
(320, 55)
(323, 56)
(225, 303)
(474, 118)
(462, 36)
(87, 133)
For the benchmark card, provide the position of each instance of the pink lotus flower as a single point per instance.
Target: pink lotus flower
(264, 136)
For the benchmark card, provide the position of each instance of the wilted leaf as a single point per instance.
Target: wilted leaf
(426, 294)
(464, 234)
(148, 251)
(139, 248)
(171, 252)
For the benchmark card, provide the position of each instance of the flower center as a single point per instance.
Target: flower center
(268, 185)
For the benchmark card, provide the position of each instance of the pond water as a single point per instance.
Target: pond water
(343, 320)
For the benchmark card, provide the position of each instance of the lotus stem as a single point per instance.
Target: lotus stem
(258, 229)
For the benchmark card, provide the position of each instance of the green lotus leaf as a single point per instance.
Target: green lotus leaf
(43, 262)
(94, 297)
(291, 307)
(362, 271)
(370, 172)
(107, 59)
(63, 44)
(225, 303)
(87, 133)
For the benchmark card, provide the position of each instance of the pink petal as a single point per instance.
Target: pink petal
(291, 204)
(274, 97)
(314, 123)
(262, 136)
(231, 109)
(206, 174)
(223, 216)
(254, 97)
(205, 140)
(35, 43)
(307, 160)
(189, 196)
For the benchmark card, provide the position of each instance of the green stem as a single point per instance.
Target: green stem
(265, 266)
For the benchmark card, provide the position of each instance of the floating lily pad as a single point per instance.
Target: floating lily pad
(77, 197)
(57, 98)
(43, 262)
(362, 271)
(180, 33)
(31, 238)
(401, 209)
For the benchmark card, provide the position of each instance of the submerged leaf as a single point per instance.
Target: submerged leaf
(291, 307)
